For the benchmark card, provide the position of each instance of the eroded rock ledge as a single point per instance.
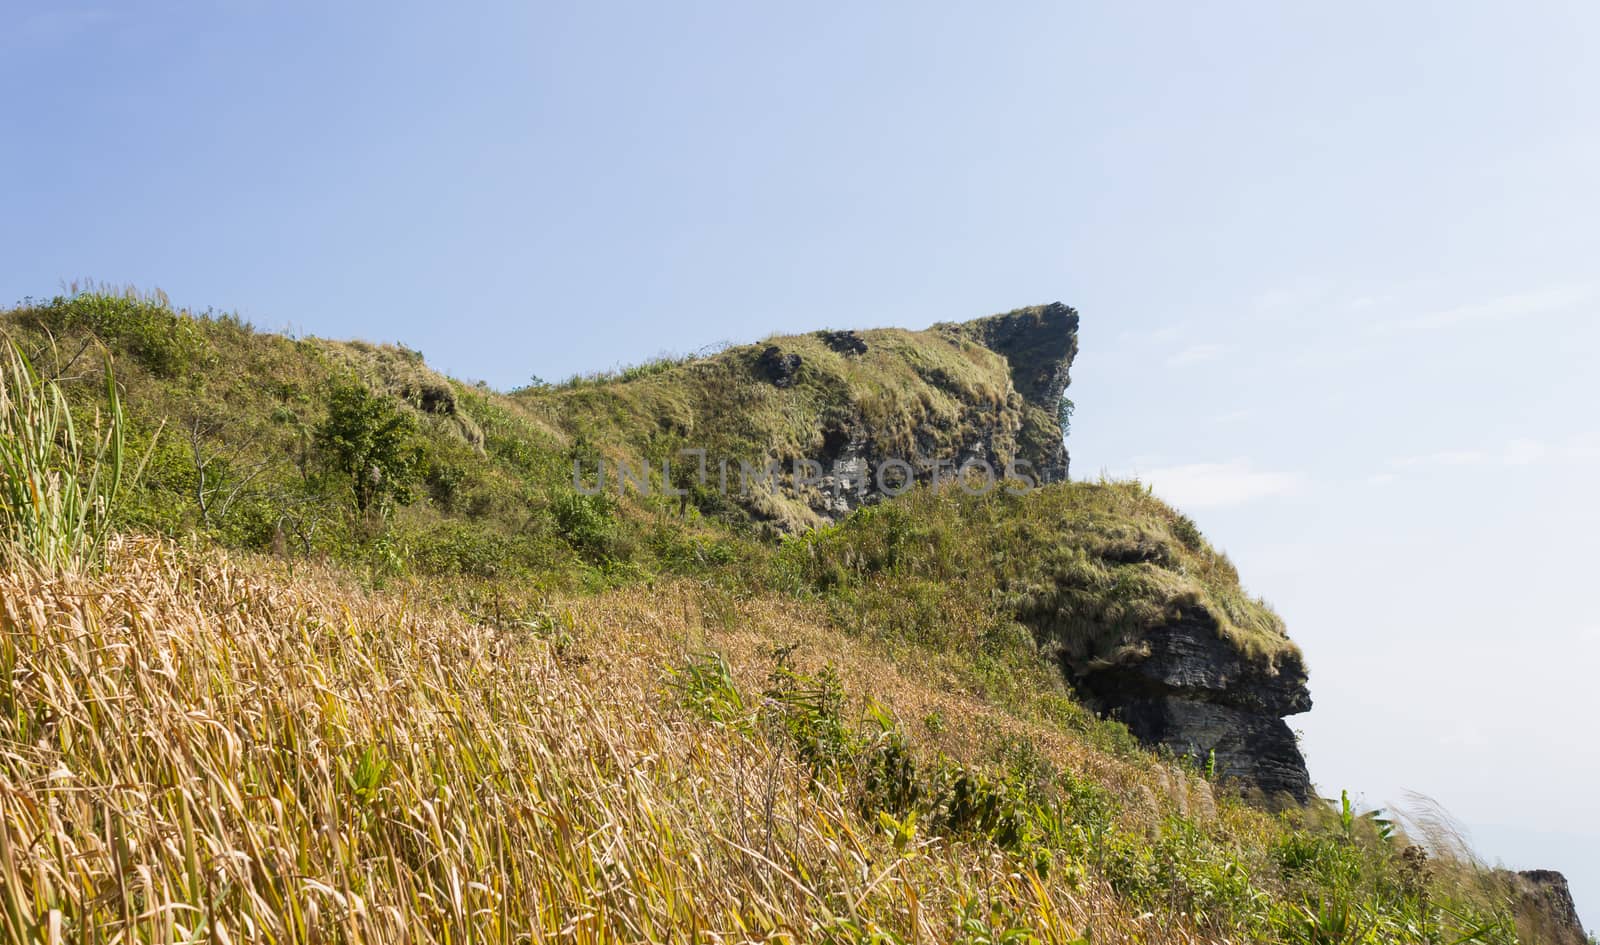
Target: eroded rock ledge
(1196, 692)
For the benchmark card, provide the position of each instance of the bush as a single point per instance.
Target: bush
(371, 440)
(169, 344)
(587, 523)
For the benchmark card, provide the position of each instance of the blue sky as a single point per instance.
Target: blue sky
(1336, 269)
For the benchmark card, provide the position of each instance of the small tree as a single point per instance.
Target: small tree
(372, 440)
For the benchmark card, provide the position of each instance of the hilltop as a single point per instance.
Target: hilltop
(388, 665)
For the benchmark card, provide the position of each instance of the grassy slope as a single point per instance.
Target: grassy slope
(496, 502)
(907, 386)
(515, 628)
(1104, 561)
(501, 463)
(904, 382)
(197, 746)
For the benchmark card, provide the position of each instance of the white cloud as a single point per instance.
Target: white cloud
(1207, 485)
(1444, 458)
(1524, 452)
(1195, 354)
(1381, 479)
(1365, 303)
(1292, 300)
(1588, 640)
(1583, 446)
(1547, 301)
(1518, 452)
(1163, 336)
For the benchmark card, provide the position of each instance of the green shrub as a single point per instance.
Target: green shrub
(462, 548)
(587, 523)
(169, 344)
(371, 441)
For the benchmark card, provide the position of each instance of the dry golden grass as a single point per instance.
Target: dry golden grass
(199, 749)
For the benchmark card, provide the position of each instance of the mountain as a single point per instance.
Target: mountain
(855, 557)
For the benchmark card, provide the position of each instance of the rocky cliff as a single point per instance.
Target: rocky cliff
(1194, 691)
(1021, 433)
(1182, 683)
(849, 417)
(1545, 912)
(1039, 345)
(866, 412)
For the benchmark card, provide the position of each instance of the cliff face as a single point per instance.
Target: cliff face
(1182, 684)
(865, 410)
(1544, 908)
(1196, 692)
(1036, 347)
(1039, 345)
(1181, 681)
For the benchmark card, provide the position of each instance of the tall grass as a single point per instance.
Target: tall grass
(191, 753)
(58, 490)
(194, 748)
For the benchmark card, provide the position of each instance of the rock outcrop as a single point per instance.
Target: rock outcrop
(1037, 345)
(1197, 692)
(777, 367)
(1544, 908)
(849, 418)
(1186, 684)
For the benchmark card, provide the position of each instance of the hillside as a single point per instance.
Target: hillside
(378, 666)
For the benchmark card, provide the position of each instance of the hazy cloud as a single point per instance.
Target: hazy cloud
(1518, 452)
(1547, 301)
(1161, 336)
(1207, 485)
(1583, 446)
(1195, 354)
(1524, 452)
(1444, 458)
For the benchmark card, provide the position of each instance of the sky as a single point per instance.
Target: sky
(1336, 266)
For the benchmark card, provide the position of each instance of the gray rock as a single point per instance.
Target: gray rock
(1197, 692)
(1545, 911)
(778, 367)
(844, 342)
(1038, 344)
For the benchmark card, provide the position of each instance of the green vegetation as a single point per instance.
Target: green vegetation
(372, 442)
(1078, 568)
(1341, 877)
(379, 670)
(295, 445)
(58, 499)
